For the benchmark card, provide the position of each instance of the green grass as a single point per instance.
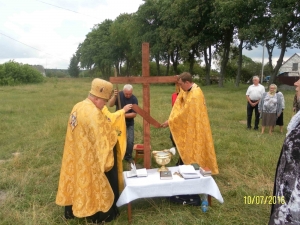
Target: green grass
(33, 120)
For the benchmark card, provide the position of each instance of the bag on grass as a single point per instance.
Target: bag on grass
(186, 199)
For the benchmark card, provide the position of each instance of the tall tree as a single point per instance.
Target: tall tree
(73, 67)
(183, 23)
(223, 19)
(146, 29)
(244, 13)
(121, 49)
(96, 49)
(281, 29)
(209, 37)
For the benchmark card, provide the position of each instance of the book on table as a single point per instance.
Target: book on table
(134, 172)
(205, 171)
(188, 172)
(166, 175)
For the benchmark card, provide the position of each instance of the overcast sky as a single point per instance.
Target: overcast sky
(48, 32)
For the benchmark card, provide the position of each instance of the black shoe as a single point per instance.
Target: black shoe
(255, 128)
(249, 128)
(69, 212)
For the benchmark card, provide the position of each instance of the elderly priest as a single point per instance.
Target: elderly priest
(88, 184)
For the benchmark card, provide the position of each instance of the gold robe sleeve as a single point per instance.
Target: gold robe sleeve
(117, 120)
(190, 127)
(88, 153)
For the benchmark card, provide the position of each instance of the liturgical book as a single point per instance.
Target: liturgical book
(188, 172)
(134, 172)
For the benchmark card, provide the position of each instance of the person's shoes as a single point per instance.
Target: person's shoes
(69, 212)
(248, 128)
(255, 128)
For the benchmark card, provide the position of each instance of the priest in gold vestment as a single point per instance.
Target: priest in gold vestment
(88, 184)
(190, 127)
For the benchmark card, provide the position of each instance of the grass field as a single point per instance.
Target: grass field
(33, 120)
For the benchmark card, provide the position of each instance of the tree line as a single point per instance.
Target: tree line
(182, 32)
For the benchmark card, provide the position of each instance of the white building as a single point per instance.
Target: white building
(291, 67)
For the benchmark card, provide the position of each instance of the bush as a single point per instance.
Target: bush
(13, 73)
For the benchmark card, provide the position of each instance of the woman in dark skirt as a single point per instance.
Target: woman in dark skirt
(270, 108)
(279, 120)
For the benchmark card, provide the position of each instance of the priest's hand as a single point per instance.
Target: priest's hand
(127, 107)
(165, 124)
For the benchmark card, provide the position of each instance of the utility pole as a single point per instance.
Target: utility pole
(262, 68)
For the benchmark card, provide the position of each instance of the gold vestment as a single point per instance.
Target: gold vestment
(119, 124)
(190, 128)
(88, 154)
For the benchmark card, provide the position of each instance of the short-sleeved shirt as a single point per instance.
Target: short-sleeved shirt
(255, 92)
(125, 101)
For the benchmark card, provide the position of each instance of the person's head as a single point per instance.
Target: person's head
(100, 92)
(255, 80)
(185, 81)
(297, 85)
(272, 88)
(127, 90)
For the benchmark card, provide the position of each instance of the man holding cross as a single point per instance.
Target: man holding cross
(190, 127)
(126, 97)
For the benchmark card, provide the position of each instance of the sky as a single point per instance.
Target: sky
(48, 32)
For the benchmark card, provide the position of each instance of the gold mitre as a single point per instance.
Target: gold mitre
(101, 88)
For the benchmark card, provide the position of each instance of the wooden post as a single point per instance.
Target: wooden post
(146, 80)
(146, 104)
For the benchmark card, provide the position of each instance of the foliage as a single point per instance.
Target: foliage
(145, 27)
(73, 67)
(95, 51)
(182, 32)
(278, 26)
(121, 49)
(13, 73)
(59, 73)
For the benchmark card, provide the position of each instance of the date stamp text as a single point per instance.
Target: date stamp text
(256, 200)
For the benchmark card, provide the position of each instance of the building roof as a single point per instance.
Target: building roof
(298, 54)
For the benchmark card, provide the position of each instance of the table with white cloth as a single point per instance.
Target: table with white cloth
(153, 186)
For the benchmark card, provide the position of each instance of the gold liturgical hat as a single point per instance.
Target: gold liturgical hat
(101, 88)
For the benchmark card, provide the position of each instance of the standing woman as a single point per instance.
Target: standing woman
(286, 210)
(279, 120)
(270, 108)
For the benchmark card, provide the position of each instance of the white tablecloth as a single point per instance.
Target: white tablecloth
(153, 186)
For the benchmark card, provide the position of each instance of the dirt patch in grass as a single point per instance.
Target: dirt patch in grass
(2, 196)
(243, 121)
(15, 154)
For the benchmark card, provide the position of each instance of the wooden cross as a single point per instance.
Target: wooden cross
(146, 80)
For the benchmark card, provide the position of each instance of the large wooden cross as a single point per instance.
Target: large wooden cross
(146, 80)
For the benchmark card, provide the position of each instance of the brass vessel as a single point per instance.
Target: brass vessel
(162, 158)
